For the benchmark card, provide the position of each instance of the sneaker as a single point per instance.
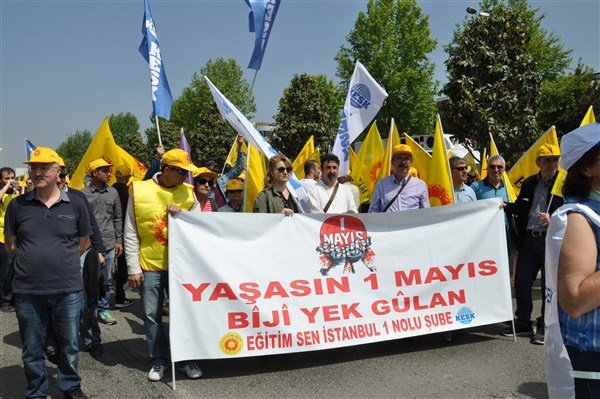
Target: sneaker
(521, 329)
(96, 350)
(76, 394)
(126, 302)
(192, 371)
(7, 307)
(106, 318)
(156, 373)
(51, 354)
(538, 337)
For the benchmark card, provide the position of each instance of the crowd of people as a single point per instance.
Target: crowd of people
(123, 229)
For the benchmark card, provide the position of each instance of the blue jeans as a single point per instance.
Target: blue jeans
(89, 330)
(36, 315)
(109, 257)
(152, 293)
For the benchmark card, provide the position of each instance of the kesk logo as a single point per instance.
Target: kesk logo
(360, 95)
(344, 242)
(231, 343)
(465, 315)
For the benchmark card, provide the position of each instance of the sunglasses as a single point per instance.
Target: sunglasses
(460, 168)
(499, 167)
(202, 181)
(285, 169)
(104, 170)
(182, 172)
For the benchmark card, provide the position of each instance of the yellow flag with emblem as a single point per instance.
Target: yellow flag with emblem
(526, 165)
(255, 181)
(103, 146)
(305, 153)
(562, 174)
(233, 152)
(510, 191)
(472, 164)
(369, 159)
(392, 141)
(439, 179)
(421, 159)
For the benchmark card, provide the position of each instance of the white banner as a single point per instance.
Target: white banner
(260, 284)
(365, 98)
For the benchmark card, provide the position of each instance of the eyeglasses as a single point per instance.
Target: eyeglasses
(460, 168)
(182, 172)
(282, 169)
(499, 167)
(202, 181)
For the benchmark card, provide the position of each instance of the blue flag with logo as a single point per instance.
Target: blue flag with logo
(29, 147)
(150, 50)
(261, 20)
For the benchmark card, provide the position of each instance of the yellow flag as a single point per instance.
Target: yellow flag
(303, 156)
(526, 165)
(103, 146)
(255, 182)
(369, 158)
(562, 174)
(510, 191)
(392, 141)
(233, 152)
(589, 116)
(421, 159)
(472, 164)
(483, 173)
(353, 164)
(439, 180)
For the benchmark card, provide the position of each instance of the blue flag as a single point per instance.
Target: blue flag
(29, 147)
(161, 93)
(261, 19)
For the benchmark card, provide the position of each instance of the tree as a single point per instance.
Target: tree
(169, 134)
(494, 82)
(209, 136)
(73, 148)
(565, 100)
(125, 129)
(310, 105)
(392, 41)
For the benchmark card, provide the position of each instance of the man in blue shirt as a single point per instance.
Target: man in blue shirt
(462, 192)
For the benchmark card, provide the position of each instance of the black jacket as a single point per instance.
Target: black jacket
(520, 208)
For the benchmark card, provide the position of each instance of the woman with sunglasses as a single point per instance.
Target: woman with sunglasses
(276, 198)
(204, 179)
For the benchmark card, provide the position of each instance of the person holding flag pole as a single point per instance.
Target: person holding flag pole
(162, 100)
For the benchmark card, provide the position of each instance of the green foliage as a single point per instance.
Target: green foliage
(209, 136)
(565, 100)
(169, 133)
(392, 41)
(494, 82)
(125, 129)
(310, 105)
(74, 147)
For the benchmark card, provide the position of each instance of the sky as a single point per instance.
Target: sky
(65, 65)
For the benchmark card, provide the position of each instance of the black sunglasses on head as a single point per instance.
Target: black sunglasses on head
(282, 169)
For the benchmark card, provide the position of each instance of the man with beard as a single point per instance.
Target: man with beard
(400, 191)
(327, 195)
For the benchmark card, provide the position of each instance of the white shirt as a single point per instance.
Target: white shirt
(319, 194)
(307, 183)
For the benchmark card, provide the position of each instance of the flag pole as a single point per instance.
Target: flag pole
(158, 130)
(253, 80)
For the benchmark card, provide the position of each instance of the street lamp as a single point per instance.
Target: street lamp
(473, 11)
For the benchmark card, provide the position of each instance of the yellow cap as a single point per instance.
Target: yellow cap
(61, 162)
(43, 155)
(179, 159)
(234, 184)
(548, 150)
(98, 163)
(402, 149)
(204, 172)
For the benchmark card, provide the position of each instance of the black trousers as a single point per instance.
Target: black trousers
(531, 260)
(121, 278)
(585, 361)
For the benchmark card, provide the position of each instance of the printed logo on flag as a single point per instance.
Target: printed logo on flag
(224, 104)
(231, 343)
(465, 315)
(343, 242)
(360, 95)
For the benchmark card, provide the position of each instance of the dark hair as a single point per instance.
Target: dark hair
(212, 165)
(577, 185)
(271, 164)
(7, 169)
(456, 160)
(308, 165)
(330, 158)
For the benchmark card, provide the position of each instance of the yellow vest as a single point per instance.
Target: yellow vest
(150, 202)
(5, 200)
